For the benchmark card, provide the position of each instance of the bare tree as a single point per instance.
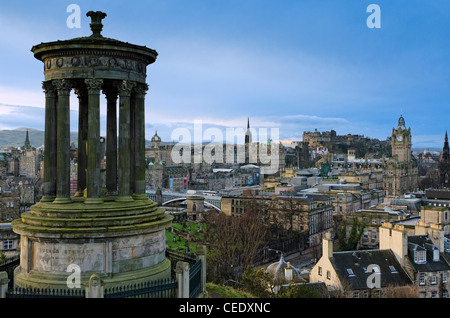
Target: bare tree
(235, 241)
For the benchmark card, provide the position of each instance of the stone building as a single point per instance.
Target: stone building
(29, 160)
(195, 207)
(9, 204)
(424, 256)
(9, 241)
(358, 274)
(291, 213)
(435, 209)
(400, 171)
(444, 165)
(373, 219)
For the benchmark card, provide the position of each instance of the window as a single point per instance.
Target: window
(355, 294)
(320, 271)
(434, 294)
(436, 254)
(350, 272)
(444, 276)
(328, 275)
(445, 294)
(8, 245)
(422, 279)
(393, 270)
(419, 256)
(433, 278)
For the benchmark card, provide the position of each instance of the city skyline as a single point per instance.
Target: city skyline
(293, 66)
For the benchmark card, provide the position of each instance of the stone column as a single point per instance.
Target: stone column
(93, 142)
(124, 169)
(182, 276)
(50, 143)
(63, 87)
(111, 139)
(95, 288)
(82, 139)
(201, 255)
(139, 142)
(4, 280)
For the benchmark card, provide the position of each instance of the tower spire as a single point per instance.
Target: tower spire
(248, 122)
(27, 141)
(446, 148)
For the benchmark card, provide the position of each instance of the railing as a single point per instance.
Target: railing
(195, 280)
(44, 293)
(189, 282)
(164, 288)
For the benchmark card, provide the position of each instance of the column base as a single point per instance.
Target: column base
(140, 196)
(62, 200)
(124, 198)
(47, 198)
(93, 201)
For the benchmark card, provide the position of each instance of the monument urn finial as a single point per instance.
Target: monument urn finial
(96, 22)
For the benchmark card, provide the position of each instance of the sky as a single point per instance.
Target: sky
(291, 65)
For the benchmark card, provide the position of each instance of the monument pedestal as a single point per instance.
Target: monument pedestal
(122, 243)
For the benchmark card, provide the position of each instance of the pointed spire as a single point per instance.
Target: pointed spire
(248, 122)
(446, 147)
(27, 141)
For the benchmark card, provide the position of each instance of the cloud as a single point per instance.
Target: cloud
(428, 141)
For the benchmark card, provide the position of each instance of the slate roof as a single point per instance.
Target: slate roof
(359, 261)
(422, 242)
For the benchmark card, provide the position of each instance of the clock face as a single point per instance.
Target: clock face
(399, 138)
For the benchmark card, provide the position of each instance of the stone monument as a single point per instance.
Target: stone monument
(116, 233)
(195, 207)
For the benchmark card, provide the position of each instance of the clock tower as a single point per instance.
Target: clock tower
(400, 172)
(401, 142)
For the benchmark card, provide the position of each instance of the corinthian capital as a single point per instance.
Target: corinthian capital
(140, 90)
(125, 87)
(49, 89)
(94, 85)
(63, 86)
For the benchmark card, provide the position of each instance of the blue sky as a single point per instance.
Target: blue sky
(295, 65)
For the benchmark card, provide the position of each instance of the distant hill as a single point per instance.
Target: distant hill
(16, 137)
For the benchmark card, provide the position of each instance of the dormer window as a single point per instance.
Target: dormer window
(435, 254)
(393, 270)
(420, 257)
(447, 244)
(350, 272)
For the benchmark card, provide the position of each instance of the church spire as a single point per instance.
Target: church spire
(446, 149)
(27, 141)
(248, 122)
